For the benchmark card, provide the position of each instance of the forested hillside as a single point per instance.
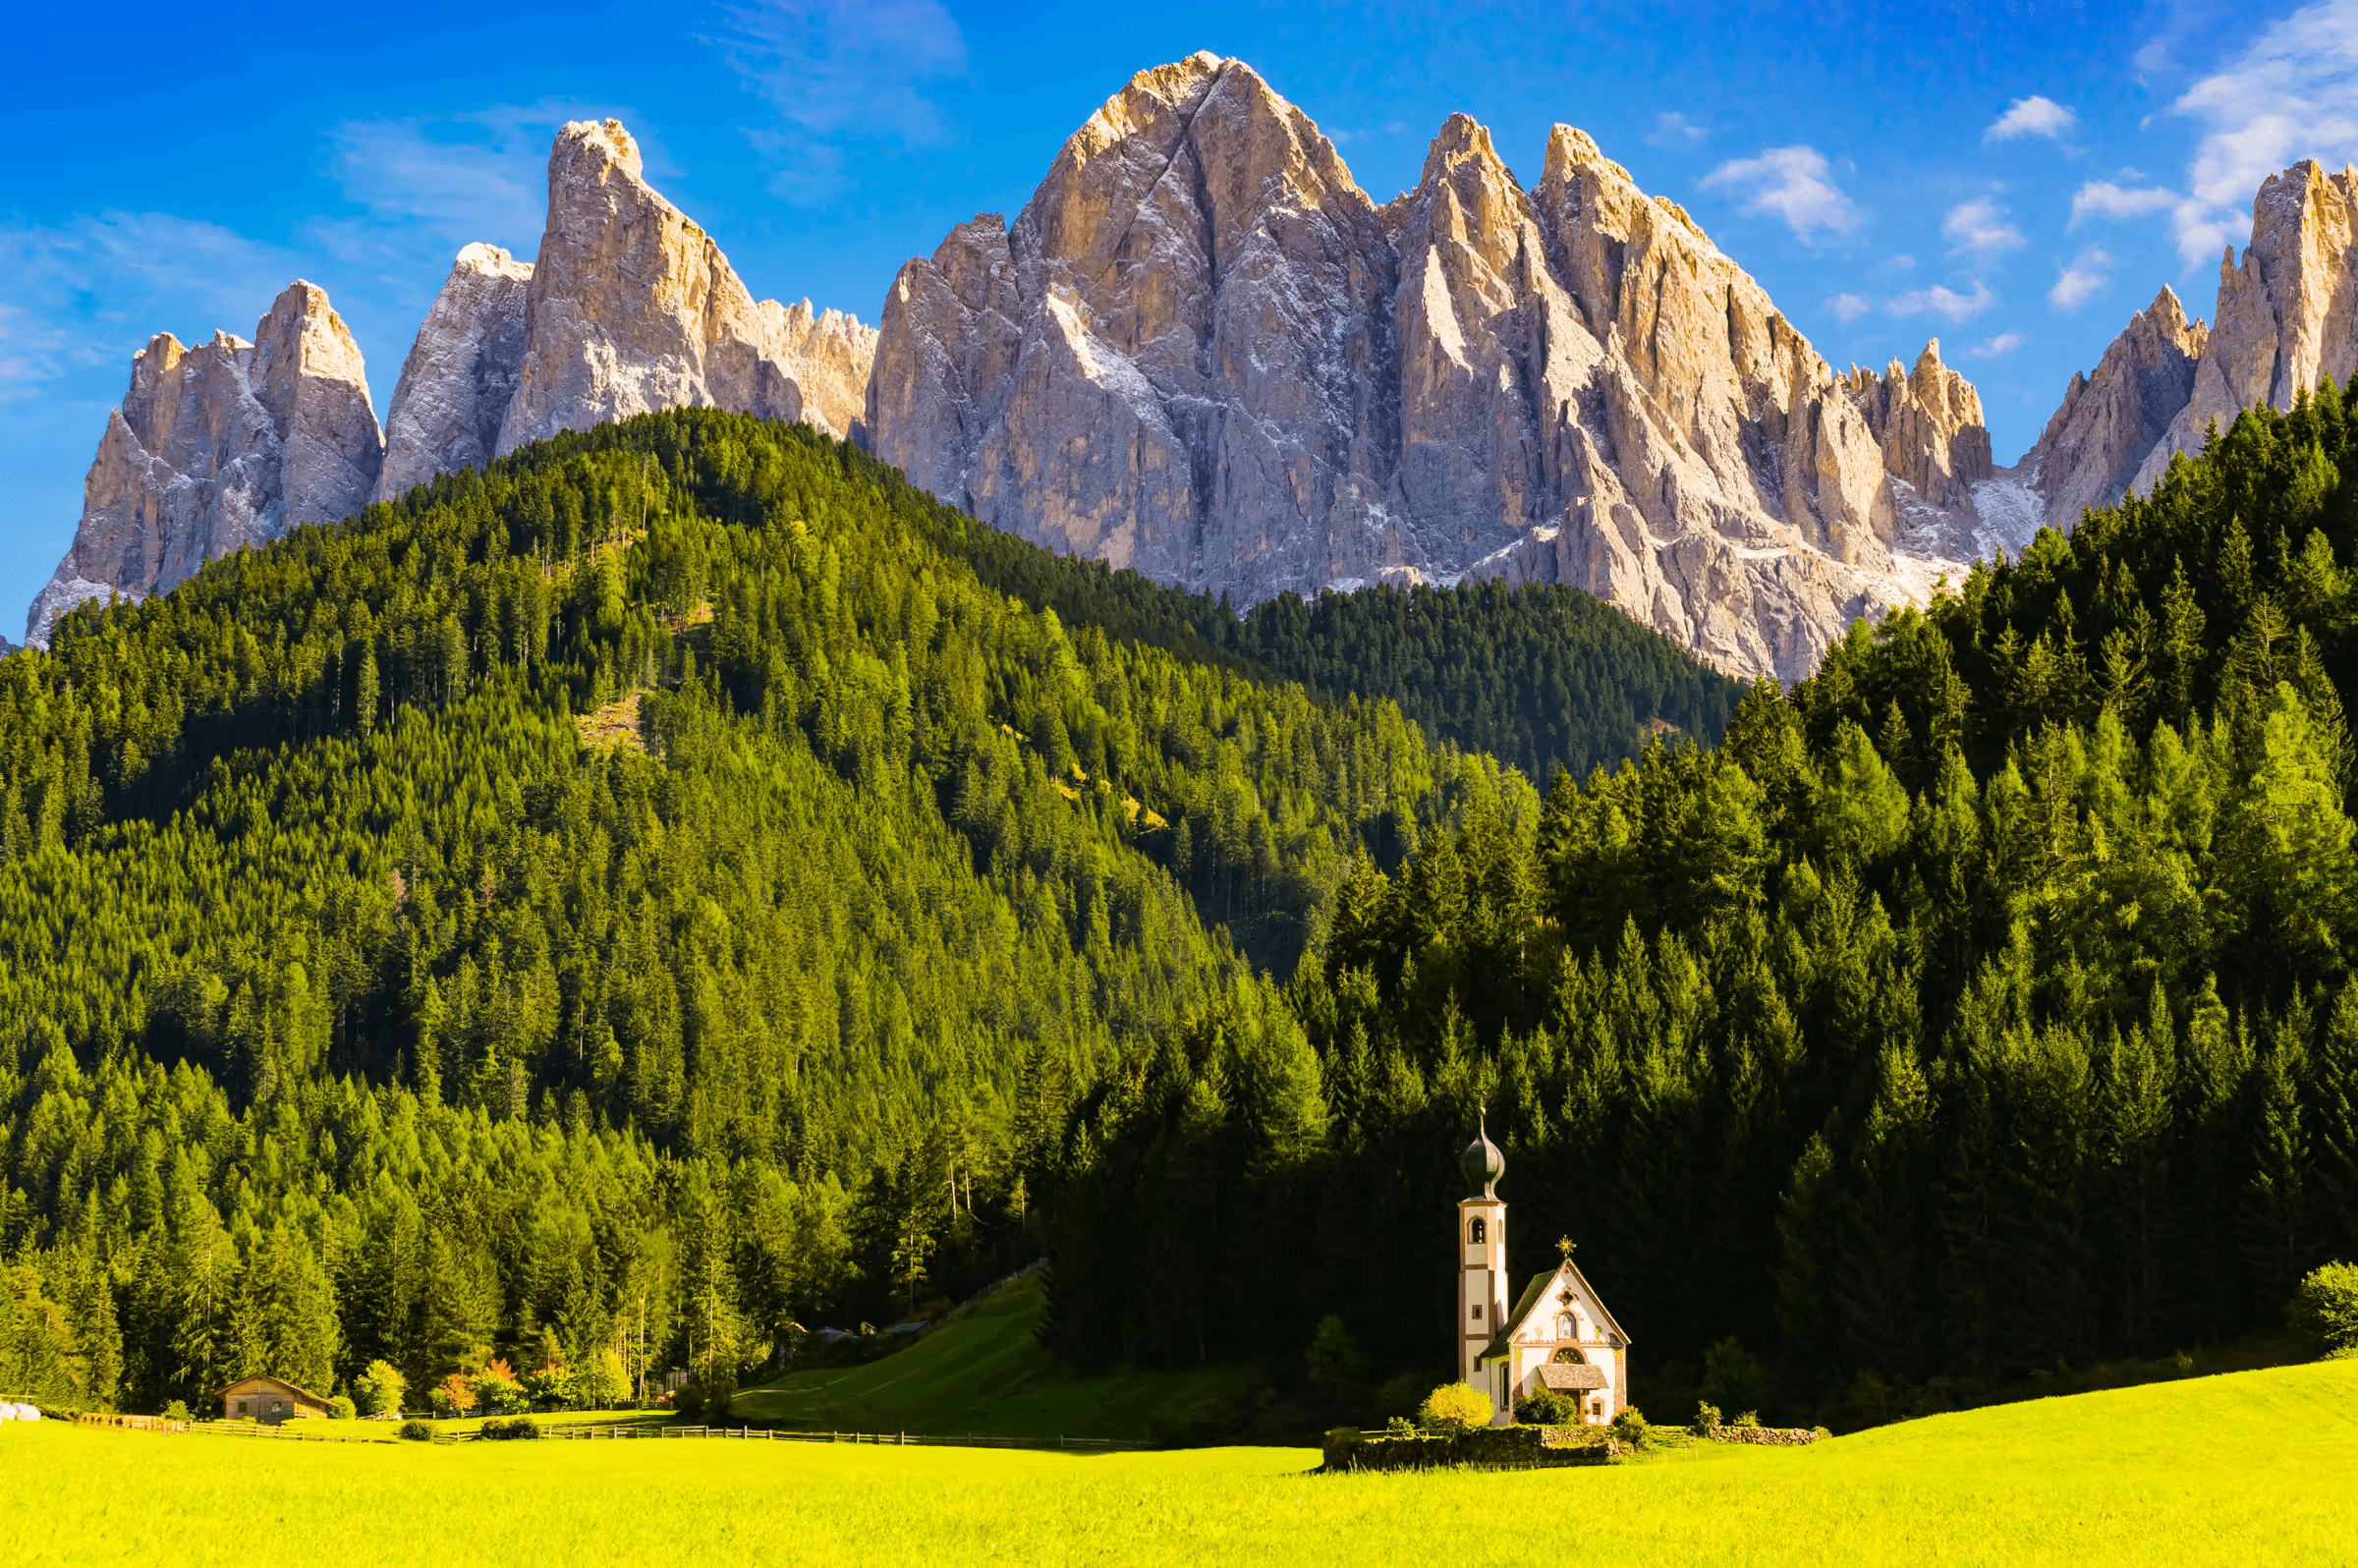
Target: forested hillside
(1541, 677)
(686, 883)
(357, 1007)
(1983, 1005)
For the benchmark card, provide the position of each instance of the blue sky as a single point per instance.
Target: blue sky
(2016, 179)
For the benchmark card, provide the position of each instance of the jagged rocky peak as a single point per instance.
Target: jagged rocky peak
(1928, 423)
(630, 308)
(1202, 351)
(219, 447)
(2287, 316)
(2112, 417)
(460, 376)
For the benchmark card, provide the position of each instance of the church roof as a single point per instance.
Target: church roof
(1534, 1293)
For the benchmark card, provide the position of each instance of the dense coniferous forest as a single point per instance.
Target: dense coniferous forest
(358, 1006)
(1541, 677)
(1982, 1006)
(686, 885)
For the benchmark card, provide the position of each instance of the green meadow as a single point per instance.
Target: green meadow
(2249, 1468)
(987, 1373)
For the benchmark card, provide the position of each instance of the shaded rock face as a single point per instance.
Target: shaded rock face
(2287, 316)
(1201, 351)
(631, 308)
(218, 447)
(2094, 444)
(461, 375)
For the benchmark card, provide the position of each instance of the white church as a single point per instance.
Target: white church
(1557, 1334)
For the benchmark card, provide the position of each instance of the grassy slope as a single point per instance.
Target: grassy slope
(2248, 1468)
(986, 1374)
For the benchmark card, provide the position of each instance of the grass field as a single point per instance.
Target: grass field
(2249, 1468)
(986, 1374)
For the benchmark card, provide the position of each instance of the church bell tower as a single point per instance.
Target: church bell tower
(1482, 1259)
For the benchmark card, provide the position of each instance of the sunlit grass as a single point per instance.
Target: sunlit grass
(2253, 1467)
(987, 1373)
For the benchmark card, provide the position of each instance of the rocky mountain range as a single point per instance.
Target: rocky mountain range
(1202, 351)
(629, 307)
(2287, 314)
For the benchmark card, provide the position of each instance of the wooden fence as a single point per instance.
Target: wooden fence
(99, 1418)
(617, 1431)
(609, 1431)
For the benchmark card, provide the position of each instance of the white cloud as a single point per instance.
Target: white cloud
(1675, 132)
(2004, 342)
(2104, 199)
(2032, 117)
(461, 178)
(1849, 306)
(1944, 301)
(88, 293)
(1981, 227)
(2293, 93)
(2080, 279)
(841, 70)
(1793, 184)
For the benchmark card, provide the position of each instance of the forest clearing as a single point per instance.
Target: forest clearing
(2208, 1468)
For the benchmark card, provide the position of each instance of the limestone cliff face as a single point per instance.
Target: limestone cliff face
(2287, 316)
(1201, 351)
(2095, 442)
(460, 377)
(1928, 423)
(218, 447)
(631, 308)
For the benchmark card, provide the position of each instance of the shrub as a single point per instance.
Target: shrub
(1400, 1426)
(340, 1409)
(1547, 1408)
(417, 1431)
(496, 1388)
(1630, 1426)
(1750, 1418)
(380, 1389)
(1707, 1420)
(603, 1383)
(1453, 1407)
(1731, 1375)
(1334, 1361)
(2325, 1304)
(510, 1429)
(177, 1410)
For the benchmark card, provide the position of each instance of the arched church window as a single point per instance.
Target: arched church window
(1570, 1355)
(1474, 1233)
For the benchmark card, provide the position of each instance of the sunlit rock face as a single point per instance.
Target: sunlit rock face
(219, 447)
(631, 308)
(1203, 352)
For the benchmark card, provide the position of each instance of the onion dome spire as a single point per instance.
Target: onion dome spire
(1481, 1162)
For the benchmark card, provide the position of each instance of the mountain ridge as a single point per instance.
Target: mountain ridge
(1202, 350)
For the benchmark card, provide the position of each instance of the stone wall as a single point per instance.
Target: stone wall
(1768, 1436)
(1488, 1449)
